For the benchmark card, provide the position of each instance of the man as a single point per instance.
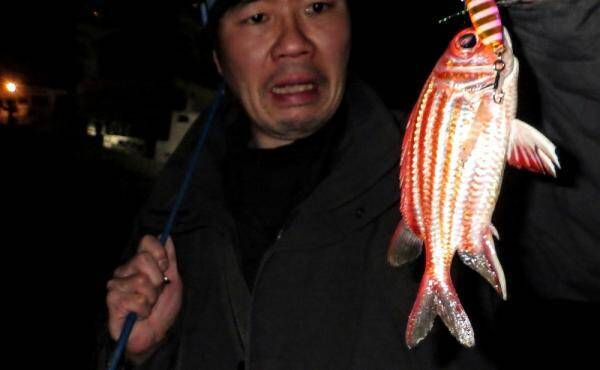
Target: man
(277, 260)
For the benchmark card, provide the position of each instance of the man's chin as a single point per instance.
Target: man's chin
(298, 129)
(285, 132)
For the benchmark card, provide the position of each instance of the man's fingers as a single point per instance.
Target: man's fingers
(124, 271)
(152, 245)
(142, 262)
(149, 266)
(131, 294)
(129, 287)
(120, 305)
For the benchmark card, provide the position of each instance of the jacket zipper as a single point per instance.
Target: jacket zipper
(263, 262)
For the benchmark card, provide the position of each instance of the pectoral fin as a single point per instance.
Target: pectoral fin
(530, 149)
(404, 247)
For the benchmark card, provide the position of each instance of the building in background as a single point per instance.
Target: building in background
(197, 99)
(154, 138)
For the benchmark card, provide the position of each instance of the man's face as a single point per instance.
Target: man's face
(286, 61)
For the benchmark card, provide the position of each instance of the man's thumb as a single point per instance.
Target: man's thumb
(170, 248)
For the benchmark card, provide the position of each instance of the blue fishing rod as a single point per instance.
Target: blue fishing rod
(132, 316)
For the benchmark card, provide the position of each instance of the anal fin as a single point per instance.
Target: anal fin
(484, 260)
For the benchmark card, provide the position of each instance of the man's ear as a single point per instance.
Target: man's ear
(215, 57)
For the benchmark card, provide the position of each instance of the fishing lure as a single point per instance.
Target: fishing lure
(486, 21)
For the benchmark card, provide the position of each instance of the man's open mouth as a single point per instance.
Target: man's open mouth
(293, 89)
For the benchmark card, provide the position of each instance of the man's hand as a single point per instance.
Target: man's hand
(138, 286)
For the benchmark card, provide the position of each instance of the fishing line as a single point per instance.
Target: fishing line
(132, 316)
(452, 16)
(500, 3)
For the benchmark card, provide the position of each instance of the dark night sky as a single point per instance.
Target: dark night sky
(40, 40)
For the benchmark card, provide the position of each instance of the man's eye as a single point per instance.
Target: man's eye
(256, 18)
(316, 8)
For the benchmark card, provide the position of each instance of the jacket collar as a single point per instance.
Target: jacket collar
(368, 150)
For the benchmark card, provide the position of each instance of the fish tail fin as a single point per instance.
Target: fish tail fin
(437, 299)
(404, 246)
(484, 260)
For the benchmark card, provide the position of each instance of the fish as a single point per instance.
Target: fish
(461, 133)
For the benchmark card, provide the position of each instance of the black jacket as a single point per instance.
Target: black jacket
(558, 238)
(324, 297)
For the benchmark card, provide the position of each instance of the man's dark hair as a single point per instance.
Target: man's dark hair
(214, 15)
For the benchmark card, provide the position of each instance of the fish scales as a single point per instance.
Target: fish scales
(438, 138)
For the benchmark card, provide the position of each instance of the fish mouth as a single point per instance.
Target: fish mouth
(475, 86)
(478, 86)
(468, 69)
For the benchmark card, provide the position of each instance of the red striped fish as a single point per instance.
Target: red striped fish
(485, 18)
(457, 142)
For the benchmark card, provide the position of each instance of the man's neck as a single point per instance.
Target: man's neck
(261, 140)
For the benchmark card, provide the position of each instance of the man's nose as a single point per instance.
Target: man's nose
(292, 41)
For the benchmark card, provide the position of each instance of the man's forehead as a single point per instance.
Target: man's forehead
(236, 5)
(242, 3)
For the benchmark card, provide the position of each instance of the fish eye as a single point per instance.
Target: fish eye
(467, 41)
